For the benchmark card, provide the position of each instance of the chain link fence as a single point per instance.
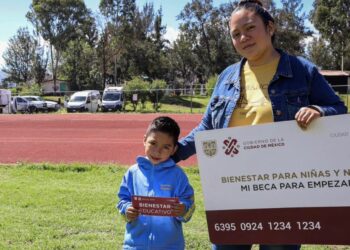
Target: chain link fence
(186, 100)
(192, 101)
(156, 100)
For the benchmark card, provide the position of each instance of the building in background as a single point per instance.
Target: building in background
(48, 86)
(340, 80)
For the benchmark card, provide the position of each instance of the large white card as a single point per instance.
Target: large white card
(276, 183)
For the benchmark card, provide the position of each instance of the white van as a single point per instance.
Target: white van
(87, 100)
(5, 101)
(112, 99)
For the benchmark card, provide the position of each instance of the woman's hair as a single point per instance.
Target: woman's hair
(256, 7)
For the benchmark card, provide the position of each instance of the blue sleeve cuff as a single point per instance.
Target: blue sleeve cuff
(317, 108)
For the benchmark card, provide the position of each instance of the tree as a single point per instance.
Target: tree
(118, 39)
(111, 9)
(159, 64)
(332, 19)
(34, 89)
(79, 59)
(39, 64)
(137, 87)
(19, 57)
(197, 20)
(159, 31)
(57, 21)
(79, 64)
(156, 92)
(133, 40)
(320, 52)
(205, 27)
(225, 53)
(291, 28)
(183, 61)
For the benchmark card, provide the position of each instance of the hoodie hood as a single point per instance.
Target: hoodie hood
(145, 163)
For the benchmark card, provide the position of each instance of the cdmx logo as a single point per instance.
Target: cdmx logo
(231, 147)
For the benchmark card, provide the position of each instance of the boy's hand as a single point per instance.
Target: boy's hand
(131, 213)
(179, 210)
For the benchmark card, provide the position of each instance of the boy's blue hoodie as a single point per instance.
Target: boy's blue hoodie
(162, 180)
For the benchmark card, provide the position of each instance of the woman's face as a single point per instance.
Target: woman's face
(250, 36)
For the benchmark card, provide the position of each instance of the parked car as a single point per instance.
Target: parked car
(50, 105)
(37, 102)
(22, 105)
(82, 101)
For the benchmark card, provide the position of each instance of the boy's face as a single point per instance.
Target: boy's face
(159, 147)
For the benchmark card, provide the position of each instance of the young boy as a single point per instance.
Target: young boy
(156, 175)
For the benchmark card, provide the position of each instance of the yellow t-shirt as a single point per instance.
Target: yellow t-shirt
(254, 104)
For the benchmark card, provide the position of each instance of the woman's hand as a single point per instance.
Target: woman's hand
(132, 213)
(305, 116)
(179, 210)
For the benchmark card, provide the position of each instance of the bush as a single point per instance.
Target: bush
(139, 87)
(33, 89)
(156, 92)
(210, 85)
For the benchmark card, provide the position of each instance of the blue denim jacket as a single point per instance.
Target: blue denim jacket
(297, 83)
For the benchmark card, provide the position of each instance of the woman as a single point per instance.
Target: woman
(267, 85)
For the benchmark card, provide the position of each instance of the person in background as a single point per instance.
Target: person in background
(267, 85)
(156, 175)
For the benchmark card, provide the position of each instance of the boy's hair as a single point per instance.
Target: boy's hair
(166, 125)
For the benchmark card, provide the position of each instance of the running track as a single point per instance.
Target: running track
(86, 138)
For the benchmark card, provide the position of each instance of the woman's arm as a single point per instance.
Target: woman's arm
(186, 146)
(323, 97)
(323, 101)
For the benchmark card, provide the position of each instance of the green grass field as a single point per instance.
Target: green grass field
(173, 104)
(72, 207)
(346, 100)
(45, 206)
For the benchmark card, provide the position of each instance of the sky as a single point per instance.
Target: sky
(12, 15)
